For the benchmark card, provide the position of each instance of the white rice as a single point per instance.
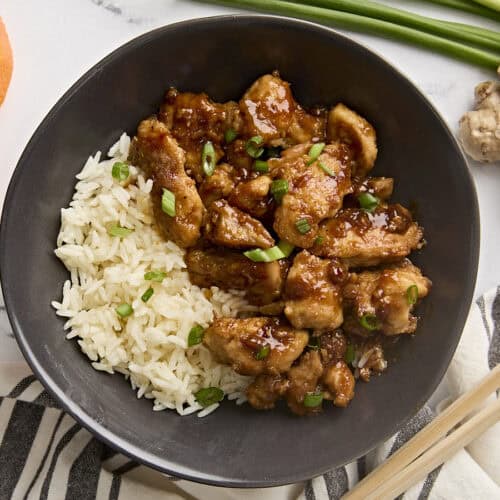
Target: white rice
(150, 346)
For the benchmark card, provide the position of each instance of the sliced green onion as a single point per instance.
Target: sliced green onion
(263, 353)
(195, 335)
(302, 226)
(279, 188)
(319, 240)
(124, 310)
(209, 395)
(412, 294)
(253, 146)
(313, 399)
(368, 202)
(230, 135)
(261, 166)
(369, 321)
(315, 151)
(157, 276)
(326, 169)
(120, 171)
(147, 294)
(350, 354)
(119, 231)
(268, 255)
(168, 202)
(285, 247)
(208, 158)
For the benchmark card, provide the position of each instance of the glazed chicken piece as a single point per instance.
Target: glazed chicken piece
(219, 185)
(254, 346)
(313, 292)
(361, 238)
(230, 227)
(384, 300)
(348, 127)
(265, 390)
(371, 359)
(269, 110)
(230, 270)
(313, 193)
(252, 196)
(304, 378)
(340, 382)
(194, 119)
(155, 151)
(381, 187)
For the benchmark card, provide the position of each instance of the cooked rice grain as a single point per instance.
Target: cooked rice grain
(150, 346)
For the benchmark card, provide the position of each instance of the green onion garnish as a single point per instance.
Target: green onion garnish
(147, 294)
(124, 310)
(268, 255)
(261, 166)
(285, 247)
(230, 135)
(368, 202)
(209, 395)
(119, 231)
(326, 169)
(302, 226)
(313, 399)
(263, 353)
(120, 171)
(412, 294)
(253, 146)
(168, 202)
(279, 188)
(315, 151)
(157, 276)
(350, 354)
(208, 158)
(369, 321)
(195, 335)
(319, 240)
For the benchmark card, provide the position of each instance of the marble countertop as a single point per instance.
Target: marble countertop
(55, 42)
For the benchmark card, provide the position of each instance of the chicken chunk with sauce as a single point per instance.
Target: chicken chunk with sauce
(270, 111)
(313, 292)
(385, 299)
(231, 227)
(361, 238)
(348, 127)
(229, 270)
(155, 151)
(315, 191)
(194, 119)
(254, 346)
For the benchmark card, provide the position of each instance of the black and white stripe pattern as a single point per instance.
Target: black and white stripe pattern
(44, 454)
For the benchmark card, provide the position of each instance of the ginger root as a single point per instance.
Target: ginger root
(479, 130)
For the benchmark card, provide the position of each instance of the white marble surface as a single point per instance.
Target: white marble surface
(55, 41)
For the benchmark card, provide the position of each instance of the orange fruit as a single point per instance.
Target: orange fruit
(6, 61)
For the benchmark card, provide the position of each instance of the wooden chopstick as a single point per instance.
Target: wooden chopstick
(385, 479)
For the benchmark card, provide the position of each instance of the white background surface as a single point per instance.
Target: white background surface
(56, 41)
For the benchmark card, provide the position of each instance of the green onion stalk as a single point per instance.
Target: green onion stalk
(477, 36)
(357, 22)
(491, 4)
(470, 7)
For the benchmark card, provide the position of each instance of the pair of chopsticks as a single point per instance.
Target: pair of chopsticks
(430, 448)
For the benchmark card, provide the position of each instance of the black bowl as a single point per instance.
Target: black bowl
(237, 446)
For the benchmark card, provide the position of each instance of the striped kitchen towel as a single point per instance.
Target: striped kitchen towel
(45, 454)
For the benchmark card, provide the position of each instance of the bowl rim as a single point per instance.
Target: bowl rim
(87, 421)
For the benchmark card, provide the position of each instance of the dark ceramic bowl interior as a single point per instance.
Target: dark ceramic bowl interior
(237, 446)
